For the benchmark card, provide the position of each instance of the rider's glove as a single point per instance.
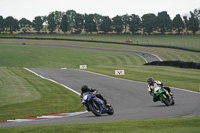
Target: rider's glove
(95, 92)
(93, 89)
(151, 93)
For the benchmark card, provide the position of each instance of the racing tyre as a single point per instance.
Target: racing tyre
(95, 109)
(111, 110)
(173, 102)
(165, 100)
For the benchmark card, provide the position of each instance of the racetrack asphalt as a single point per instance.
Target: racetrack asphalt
(130, 99)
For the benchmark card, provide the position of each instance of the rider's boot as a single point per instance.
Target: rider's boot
(171, 94)
(106, 103)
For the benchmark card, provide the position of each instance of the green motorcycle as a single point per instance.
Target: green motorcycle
(164, 96)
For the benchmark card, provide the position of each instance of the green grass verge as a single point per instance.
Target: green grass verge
(57, 57)
(97, 61)
(163, 53)
(187, 42)
(171, 76)
(24, 95)
(164, 125)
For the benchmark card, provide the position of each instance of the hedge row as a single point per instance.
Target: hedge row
(180, 64)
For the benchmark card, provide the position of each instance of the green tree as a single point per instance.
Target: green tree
(164, 22)
(118, 24)
(134, 23)
(125, 19)
(1, 24)
(51, 22)
(11, 24)
(71, 14)
(197, 14)
(64, 26)
(193, 23)
(106, 24)
(90, 25)
(178, 24)
(148, 22)
(186, 23)
(25, 24)
(78, 23)
(58, 17)
(45, 22)
(97, 20)
(38, 23)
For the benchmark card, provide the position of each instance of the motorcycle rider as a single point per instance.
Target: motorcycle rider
(85, 89)
(152, 84)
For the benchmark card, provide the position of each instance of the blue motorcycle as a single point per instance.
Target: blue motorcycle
(96, 105)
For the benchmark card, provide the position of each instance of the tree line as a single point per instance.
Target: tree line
(75, 23)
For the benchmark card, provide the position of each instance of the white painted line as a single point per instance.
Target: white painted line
(158, 57)
(185, 90)
(49, 117)
(142, 57)
(46, 117)
(136, 81)
(53, 81)
(20, 120)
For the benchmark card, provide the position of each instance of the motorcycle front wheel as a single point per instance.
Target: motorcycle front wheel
(165, 100)
(95, 109)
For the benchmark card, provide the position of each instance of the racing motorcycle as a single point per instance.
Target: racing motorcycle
(96, 105)
(164, 96)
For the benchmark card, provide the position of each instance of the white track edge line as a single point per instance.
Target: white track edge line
(53, 81)
(157, 57)
(104, 76)
(137, 81)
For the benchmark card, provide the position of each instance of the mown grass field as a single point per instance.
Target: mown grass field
(22, 92)
(167, 125)
(24, 95)
(163, 53)
(189, 42)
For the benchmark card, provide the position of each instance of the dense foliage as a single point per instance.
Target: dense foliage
(73, 22)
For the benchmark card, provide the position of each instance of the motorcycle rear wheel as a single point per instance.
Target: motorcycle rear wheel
(173, 102)
(111, 112)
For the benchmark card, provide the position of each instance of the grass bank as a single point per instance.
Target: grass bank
(163, 53)
(24, 95)
(97, 61)
(165, 125)
(188, 42)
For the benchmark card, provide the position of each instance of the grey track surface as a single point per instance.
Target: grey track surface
(130, 99)
(147, 56)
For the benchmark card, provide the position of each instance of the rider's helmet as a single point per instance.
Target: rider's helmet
(85, 88)
(150, 81)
